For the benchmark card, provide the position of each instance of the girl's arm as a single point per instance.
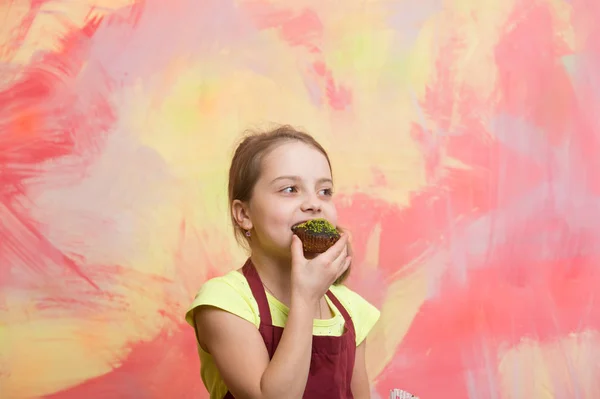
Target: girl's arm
(360, 380)
(242, 359)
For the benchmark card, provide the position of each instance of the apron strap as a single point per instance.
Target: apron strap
(256, 285)
(343, 311)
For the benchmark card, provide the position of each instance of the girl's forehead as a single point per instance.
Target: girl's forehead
(292, 151)
(296, 159)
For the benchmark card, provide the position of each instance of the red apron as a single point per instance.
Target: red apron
(332, 360)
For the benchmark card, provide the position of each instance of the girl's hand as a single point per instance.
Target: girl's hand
(311, 278)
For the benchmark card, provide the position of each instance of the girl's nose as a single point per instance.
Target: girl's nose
(311, 204)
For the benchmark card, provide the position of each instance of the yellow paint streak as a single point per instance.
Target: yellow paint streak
(37, 350)
(53, 21)
(566, 367)
(61, 352)
(371, 261)
(404, 297)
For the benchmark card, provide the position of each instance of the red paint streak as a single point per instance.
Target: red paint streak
(438, 103)
(339, 97)
(541, 282)
(469, 192)
(21, 29)
(130, 15)
(511, 294)
(534, 83)
(166, 367)
(430, 145)
(303, 29)
(33, 128)
(21, 240)
(40, 122)
(452, 333)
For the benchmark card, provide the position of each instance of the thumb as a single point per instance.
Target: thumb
(297, 249)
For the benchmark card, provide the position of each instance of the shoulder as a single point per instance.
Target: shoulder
(364, 315)
(230, 293)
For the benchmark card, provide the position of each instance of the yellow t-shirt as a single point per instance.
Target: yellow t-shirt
(232, 293)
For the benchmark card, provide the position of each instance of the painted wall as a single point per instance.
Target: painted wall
(466, 144)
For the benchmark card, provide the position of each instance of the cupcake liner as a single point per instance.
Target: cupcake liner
(316, 243)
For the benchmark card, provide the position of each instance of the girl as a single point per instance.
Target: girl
(282, 326)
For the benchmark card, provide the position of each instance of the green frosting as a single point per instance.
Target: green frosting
(318, 226)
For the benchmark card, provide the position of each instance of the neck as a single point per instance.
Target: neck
(275, 274)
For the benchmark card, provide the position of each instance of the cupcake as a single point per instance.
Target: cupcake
(317, 235)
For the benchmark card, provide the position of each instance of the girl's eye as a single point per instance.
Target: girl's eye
(328, 192)
(289, 190)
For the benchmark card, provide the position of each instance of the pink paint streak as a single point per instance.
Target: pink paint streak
(527, 270)
(303, 29)
(586, 14)
(35, 130)
(19, 33)
(166, 367)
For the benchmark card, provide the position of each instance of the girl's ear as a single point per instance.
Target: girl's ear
(241, 214)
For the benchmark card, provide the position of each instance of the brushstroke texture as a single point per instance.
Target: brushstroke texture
(465, 139)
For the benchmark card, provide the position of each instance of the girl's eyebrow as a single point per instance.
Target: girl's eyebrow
(324, 180)
(296, 178)
(293, 178)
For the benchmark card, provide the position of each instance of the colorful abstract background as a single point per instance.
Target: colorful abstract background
(465, 139)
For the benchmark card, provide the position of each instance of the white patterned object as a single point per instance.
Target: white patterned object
(400, 394)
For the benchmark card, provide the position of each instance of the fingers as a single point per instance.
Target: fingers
(338, 269)
(336, 250)
(297, 249)
(343, 267)
(349, 246)
(343, 230)
(339, 265)
(341, 258)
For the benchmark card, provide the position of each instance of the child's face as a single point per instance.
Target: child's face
(295, 185)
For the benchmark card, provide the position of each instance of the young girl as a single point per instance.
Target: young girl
(282, 326)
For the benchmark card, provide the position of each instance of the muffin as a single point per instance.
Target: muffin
(317, 235)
